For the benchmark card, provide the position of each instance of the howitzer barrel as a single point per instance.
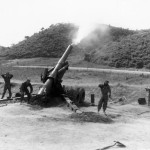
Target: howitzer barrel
(48, 84)
(61, 72)
(64, 57)
(61, 61)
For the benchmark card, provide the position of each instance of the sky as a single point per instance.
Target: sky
(20, 18)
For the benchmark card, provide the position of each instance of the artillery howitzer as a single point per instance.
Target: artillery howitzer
(52, 85)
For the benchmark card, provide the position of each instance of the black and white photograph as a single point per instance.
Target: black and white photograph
(74, 75)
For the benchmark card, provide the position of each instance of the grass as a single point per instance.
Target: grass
(128, 85)
(40, 61)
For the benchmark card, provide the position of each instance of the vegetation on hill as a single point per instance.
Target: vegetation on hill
(3, 51)
(132, 51)
(103, 35)
(49, 42)
(106, 45)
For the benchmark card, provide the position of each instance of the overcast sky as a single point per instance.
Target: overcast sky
(20, 18)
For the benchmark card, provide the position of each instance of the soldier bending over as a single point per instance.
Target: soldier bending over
(24, 90)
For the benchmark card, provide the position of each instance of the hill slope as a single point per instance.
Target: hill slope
(131, 51)
(49, 42)
(106, 45)
(53, 41)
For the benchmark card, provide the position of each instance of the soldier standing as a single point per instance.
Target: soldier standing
(106, 93)
(24, 90)
(7, 85)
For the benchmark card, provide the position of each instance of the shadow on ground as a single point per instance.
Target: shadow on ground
(91, 117)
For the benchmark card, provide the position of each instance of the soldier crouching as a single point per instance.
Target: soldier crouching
(24, 90)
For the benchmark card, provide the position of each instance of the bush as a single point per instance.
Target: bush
(148, 66)
(51, 42)
(87, 57)
(139, 65)
(118, 64)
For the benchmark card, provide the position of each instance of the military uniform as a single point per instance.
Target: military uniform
(106, 93)
(24, 90)
(7, 85)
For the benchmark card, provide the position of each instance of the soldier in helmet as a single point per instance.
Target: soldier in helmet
(7, 86)
(24, 90)
(106, 93)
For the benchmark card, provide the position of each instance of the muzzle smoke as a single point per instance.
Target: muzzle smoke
(94, 32)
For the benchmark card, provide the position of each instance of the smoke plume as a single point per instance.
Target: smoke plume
(89, 34)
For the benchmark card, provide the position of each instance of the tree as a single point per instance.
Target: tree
(139, 65)
(26, 37)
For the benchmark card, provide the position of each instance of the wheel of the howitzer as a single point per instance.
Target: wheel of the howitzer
(81, 95)
(72, 93)
(76, 94)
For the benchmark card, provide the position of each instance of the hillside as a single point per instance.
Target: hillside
(103, 35)
(49, 42)
(131, 51)
(3, 50)
(105, 45)
(52, 42)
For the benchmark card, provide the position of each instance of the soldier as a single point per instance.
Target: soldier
(7, 85)
(106, 93)
(24, 90)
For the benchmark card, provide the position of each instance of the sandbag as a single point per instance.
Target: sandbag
(142, 101)
(18, 94)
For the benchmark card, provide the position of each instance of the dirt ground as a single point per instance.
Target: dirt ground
(31, 127)
(26, 127)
